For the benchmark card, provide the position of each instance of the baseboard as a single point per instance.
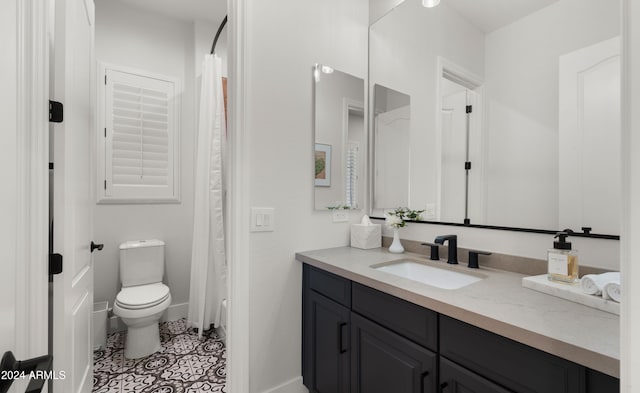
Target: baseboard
(173, 313)
(293, 386)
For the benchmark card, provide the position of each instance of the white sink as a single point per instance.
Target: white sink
(436, 277)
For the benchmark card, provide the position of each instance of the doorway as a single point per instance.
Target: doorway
(459, 146)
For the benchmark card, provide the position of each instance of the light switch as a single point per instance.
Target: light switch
(262, 219)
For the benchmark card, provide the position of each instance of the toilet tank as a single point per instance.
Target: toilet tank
(141, 262)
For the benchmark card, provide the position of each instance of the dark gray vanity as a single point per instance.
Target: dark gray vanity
(359, 339)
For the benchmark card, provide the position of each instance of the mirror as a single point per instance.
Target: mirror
(392, 118)
(340, 141)
(515, 112)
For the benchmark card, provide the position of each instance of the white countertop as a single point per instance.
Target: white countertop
(498, 303)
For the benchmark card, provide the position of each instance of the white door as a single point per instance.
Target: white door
(392, 161)
(589, 138)
(73, 76)
(453, 157)
(8, 176)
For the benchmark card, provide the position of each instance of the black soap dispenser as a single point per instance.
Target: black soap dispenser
(562, 260)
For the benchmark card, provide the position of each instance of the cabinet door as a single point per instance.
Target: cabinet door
(456, 379)
(325, 345)
(383, 361)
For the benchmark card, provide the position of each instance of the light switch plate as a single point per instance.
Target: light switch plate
(262, 219)
(340, 215)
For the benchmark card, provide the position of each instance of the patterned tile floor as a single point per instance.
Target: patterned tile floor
(184, 365)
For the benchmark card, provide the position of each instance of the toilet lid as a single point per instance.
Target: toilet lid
(142, 296)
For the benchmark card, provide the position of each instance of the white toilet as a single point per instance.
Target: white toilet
(143, 297)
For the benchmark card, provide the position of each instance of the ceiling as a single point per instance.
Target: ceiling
(490, 15)
(212, 10)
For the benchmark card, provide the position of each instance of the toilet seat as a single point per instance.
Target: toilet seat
(142, 296)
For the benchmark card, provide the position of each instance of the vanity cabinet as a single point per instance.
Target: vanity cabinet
(358, 339)
(454, 378)
(383, 361)
(325, 354)
(513, 365)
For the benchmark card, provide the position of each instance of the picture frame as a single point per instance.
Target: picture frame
(322, 159)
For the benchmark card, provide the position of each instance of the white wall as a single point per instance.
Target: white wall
(378, 8)
(521, 86)
(283, 40)
(140, 39)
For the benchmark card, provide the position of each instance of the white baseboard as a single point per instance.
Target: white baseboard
(173, 313)
(293, 386)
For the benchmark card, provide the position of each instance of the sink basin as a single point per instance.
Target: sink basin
(434, 276)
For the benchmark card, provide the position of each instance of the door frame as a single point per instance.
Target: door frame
(32, 181)
(472, 82)
(238, 256)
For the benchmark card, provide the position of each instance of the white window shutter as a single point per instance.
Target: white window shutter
(351, 178)
(141, 130)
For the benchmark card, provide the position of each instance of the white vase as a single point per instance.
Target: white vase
(396, 246)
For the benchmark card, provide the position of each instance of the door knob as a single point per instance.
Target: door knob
(96, 246)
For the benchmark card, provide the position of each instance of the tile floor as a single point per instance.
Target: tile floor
(184, 365)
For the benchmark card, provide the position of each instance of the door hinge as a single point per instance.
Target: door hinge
(55, 263)
(469, 108)
(105, 132)
(467, 165)
(55, 111)
(105, 184)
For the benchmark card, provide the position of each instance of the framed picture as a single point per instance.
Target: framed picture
(323, 165)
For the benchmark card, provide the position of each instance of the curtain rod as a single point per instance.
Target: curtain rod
(215, 40)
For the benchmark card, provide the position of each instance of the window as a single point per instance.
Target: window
(138, 147)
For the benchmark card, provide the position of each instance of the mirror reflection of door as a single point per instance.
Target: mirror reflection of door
(589, 126)
(460, 186)
(392, 123)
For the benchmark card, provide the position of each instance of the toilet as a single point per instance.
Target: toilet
(143, 297)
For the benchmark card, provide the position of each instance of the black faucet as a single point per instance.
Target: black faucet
(453, 247)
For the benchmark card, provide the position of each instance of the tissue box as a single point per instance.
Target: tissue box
(366, 236)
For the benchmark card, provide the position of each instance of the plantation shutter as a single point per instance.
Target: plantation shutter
(351, 177)
(140, 137)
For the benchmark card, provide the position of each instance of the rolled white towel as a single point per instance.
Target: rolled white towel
(612, 291)
(593, 284)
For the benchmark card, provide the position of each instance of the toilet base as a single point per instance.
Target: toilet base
(142, 341)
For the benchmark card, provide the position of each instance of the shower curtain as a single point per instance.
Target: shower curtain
(208, 260)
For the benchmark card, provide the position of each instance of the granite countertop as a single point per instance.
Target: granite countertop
(498, 303)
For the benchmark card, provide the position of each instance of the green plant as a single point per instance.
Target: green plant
(398, 217)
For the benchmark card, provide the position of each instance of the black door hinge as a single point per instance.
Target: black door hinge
(55, 111)
(469, 108)
(55, 263)
(467, 165)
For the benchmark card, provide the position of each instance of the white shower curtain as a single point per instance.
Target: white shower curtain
(208, 263)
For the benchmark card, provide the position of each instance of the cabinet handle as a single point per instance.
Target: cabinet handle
(443, 386)
(341, 347)
(423, 381)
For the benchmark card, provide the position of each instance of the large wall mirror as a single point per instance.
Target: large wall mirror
(340, 140)
(498, 116)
